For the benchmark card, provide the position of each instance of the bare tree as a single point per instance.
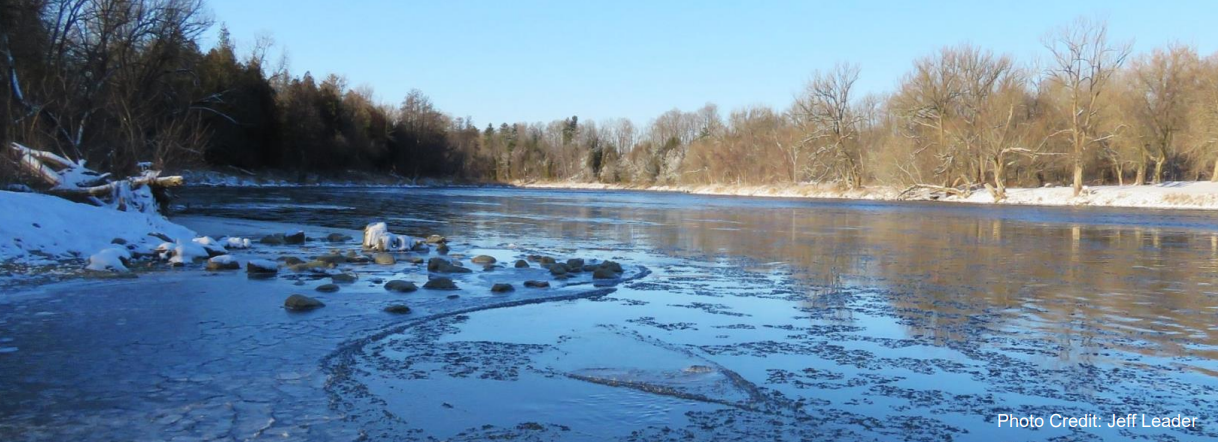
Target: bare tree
(1084, 62)
(1165, 86)
(827, 115)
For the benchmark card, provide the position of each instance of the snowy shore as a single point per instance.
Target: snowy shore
(1171, 195)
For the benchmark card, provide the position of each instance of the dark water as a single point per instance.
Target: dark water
(759, 320)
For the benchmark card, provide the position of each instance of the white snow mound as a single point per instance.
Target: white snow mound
(109, 259)
(38, 228)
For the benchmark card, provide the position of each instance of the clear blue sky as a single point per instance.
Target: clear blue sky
(525, 60)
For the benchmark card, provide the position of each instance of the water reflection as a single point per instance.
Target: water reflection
(1086, 281)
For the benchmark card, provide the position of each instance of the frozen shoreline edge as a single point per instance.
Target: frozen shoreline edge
(1183, 195)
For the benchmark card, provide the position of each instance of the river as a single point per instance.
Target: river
(736, 319)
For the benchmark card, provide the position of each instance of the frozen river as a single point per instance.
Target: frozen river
(736, 319)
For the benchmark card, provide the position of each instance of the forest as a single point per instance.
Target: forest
(125, 85)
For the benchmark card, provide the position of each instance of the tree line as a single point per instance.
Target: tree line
(124, 84)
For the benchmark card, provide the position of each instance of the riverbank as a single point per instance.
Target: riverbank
(1171, 195)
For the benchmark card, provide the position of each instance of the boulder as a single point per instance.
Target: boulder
(327, 288)
(558, 269)
(441, 265)
(483, 259)
(332, 258)
(313, 266)
(274, 240)
(502, 288)
(611, 266)
(301, 303)
(543, 260)
(440, 284)
(261, 267)
(397, 309)
(337, 237)
(442, 249)
(522, 264)
(400, 286)
(436, 239)
(603, 273)
(414, 259)
(343, 278)
(292, 260)
(118, 241)
(384, 259)
(223, 262)
(537, 284)
(297, 238)
(575, 263)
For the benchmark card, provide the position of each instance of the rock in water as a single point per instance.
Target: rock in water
(441, 265)
(442, 249)
(332, 258)
(400, 286)
(617, 268)
(558, 269)
(297, 238)
(343, 278)
(384, 259)
(397, 309)
(603, 273)
(575, 264)
(292, 260)
(337, 237)
(301, 303)
(327, 288)
(440, 284)
(537, 284)
(414, 260)
(273, 240)
(436, 239)
(223, 262)
(483, 259)
(502, 288)
(522, 264)
(261, 267)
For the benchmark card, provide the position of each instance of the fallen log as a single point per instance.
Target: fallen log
(72, 180)
(947, 190)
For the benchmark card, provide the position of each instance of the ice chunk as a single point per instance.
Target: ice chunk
(378, 237)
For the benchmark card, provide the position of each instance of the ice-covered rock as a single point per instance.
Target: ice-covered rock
(181, 252)
(237, 243)
(213, 247)
(113, 259)
(261, 266)
(378, 237)
(223, 262)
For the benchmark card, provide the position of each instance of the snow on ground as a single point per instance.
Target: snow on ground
(1170, 195)
(43, 229)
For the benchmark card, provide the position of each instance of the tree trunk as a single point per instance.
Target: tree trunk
(1078, 176)
(1159, 168)
(1214, 176)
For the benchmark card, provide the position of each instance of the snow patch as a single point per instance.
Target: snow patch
(42, 229)
(109, 259)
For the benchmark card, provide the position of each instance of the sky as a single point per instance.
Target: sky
(531, 61)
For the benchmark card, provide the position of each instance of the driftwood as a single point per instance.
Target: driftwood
(72, 180)
(905, 194)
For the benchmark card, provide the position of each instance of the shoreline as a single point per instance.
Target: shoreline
(1182, 195)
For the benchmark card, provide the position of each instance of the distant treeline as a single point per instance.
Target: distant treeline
(123, 82)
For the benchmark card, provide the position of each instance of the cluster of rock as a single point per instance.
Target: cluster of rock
(379, 247)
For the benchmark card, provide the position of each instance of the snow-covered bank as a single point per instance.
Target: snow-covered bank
(43, 229)
(214, 178)
(1171, 195)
